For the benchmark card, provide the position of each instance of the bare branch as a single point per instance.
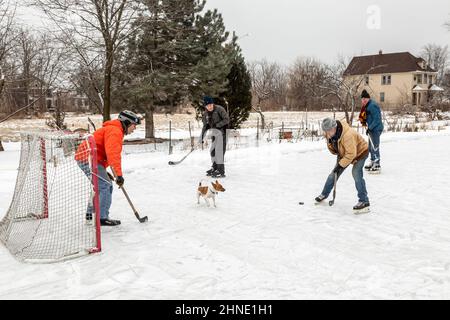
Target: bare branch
(98, 26)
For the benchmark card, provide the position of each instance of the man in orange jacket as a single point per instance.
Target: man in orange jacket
(109, 141)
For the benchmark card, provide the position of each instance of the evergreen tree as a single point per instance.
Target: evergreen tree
(238, 97)
(211, 71)
(159, 60)
(180, 53)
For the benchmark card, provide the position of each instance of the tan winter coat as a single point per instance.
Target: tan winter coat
(352, 146)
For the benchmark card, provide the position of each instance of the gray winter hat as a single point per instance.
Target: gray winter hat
(328, 124)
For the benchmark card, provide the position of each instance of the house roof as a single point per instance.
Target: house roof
(385, 63)
(419, 88)
(435, 88)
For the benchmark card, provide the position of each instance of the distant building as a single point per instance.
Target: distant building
(394, 79)
(47, 99)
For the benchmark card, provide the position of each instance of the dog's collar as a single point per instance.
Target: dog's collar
(213, 190)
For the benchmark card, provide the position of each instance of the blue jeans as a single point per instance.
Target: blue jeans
(360, 184)
(105, 187)
(374, 147)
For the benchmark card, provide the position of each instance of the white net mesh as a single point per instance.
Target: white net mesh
(53, 214)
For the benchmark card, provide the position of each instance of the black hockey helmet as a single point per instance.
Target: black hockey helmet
(128, 118)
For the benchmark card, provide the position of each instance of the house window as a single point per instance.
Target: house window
(430, 79)
(386, 80)
(366, 80)
(425, 79)
(419, 79)
(382, 97)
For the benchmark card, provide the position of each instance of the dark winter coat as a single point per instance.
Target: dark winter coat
(374, 121)
(216, 119)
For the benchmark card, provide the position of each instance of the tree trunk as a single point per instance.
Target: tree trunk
(107, 86)
(149, 123)
(353, 110)
(347, 116)
(263, 120)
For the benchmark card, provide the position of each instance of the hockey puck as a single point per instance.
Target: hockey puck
(301, 203)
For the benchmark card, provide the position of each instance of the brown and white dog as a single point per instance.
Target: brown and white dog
(209, 192)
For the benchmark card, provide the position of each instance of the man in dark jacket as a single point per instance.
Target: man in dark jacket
(216, 119)
(370, 117)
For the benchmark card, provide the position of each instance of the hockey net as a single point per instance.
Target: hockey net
(54, 214)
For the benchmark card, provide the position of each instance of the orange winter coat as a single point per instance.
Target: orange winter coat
(352, 146)
(109, 140)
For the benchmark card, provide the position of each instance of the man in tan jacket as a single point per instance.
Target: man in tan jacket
(350, 148)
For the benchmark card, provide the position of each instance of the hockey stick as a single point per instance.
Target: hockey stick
(174, 163)
(331, 202)
(373, 146)
(92, 123)
(141, 220)
(371, 142)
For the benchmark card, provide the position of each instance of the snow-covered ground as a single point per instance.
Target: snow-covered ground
(259, 243)
(9, 130)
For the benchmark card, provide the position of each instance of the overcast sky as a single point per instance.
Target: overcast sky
(282, 30)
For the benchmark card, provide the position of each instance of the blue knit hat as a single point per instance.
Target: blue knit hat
(208, 100)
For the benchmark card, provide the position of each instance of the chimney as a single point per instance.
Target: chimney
(380, 52)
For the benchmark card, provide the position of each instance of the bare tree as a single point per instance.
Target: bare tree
(50, 63)
(268, 80)
(87, 79)
(344, 88)
(26, 51)
(50, 70)
(307, 77)
(7, 34)
(7, 37)
(269, 83)
(95, 26)
(446, 85)
(438, 58)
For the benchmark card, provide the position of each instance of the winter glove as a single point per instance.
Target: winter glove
(120, 181)
(338, 169)
(367, 132)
